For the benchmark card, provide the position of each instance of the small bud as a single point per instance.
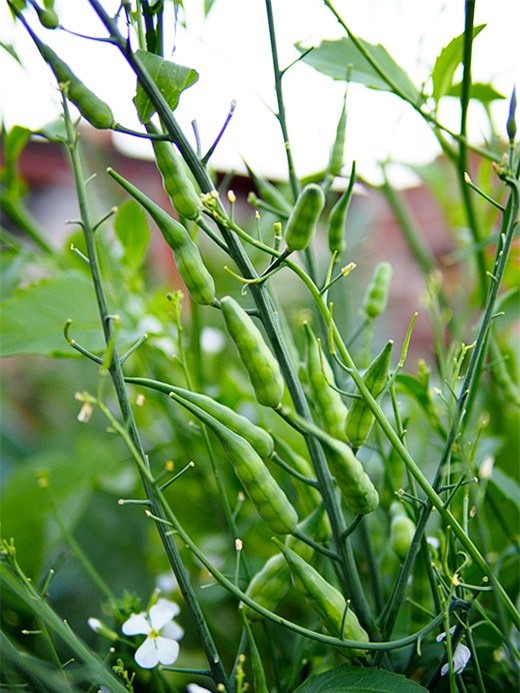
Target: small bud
(85, 412)
(231, 196)
(345, 271)
(238, 544)
(140, 400)
(511, 122)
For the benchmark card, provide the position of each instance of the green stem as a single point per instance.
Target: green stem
(267, 313)
(116, 373)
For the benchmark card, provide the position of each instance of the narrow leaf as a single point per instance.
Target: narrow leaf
(447, 62)
(170, 78)
(342, 60)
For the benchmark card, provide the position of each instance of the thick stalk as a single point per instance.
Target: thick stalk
(267, 315)
(116, 373)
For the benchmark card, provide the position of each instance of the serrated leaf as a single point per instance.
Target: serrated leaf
(132, 230)
(170, 78)
(485, 93)
(347, 679)
(32, 319)
(341, 60)
(447, 62)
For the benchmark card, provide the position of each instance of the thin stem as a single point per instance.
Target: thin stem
(116, 373)
(268, 316)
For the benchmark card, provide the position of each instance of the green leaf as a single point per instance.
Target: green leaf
(170, 78)
(506, 486)
(132, 230)
(342, 60)
(346, 679)
(9, 48)
(447, 62)
(56, 131)
(485, 93)
(34, 316)
(14, 143)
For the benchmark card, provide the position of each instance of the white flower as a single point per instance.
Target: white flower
(195, 688)
(162, 633)
(461, 656)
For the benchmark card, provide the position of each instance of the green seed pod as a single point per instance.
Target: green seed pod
(338, 217)
(360, 418)
(178, 186)
(301, 225)
(47, 16)
(261, 365)
(271, 584)
(357, 489)
(325, 599)
(402, 530)
(257, 437)
(188, 260)
(91, 107)
(329, 405)
(272, 504)
(376, 295)
(338, 148)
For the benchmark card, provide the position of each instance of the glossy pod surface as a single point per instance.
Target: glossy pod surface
(264, 371)
(301, 225)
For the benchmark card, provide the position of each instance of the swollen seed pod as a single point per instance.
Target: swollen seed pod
(188, 260)
(402, 530)
(272, 504)
(271, 584)
(263, 368)
(338, 217)
(329, 405)
(376, 295)
(47, 16)
(360, 417)
(301, 225)
(257, 437)
(357, 489)
(176, 183)
(92, 108)
(325, 599)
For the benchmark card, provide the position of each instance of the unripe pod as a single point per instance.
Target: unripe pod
(325, 599)
(188, 260)
(301, 225)
(271, 584)
(178, 186)
(376, 295)
(256, 356)
(338, 217)
(338, 148)
(402, 530)
(92, 108)
(329, 405)
(360, 417)
(272, 504)
(47, 16)
(357, 489)
(257, 437)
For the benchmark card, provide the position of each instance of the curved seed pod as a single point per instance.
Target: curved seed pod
(325, 599)
(376, 295)
(271, 584)
(178, 186)
(329, 404)
(272, 504)
(301, 225)
(92, 108)
(338, 148)
(338, 217)
(257, 437)
(188, 260)
(360, 417)
(263, 368)
(357, 489)
(402, 530)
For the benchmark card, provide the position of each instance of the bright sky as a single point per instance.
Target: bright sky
(230, 50)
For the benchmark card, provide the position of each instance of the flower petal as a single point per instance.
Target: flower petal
(162, 612)
(146, 655)
(167, 650)
(460, 658)
(173, 631)
(136, 625)
(195, 688)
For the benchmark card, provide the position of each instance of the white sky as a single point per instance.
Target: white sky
(230, 50)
